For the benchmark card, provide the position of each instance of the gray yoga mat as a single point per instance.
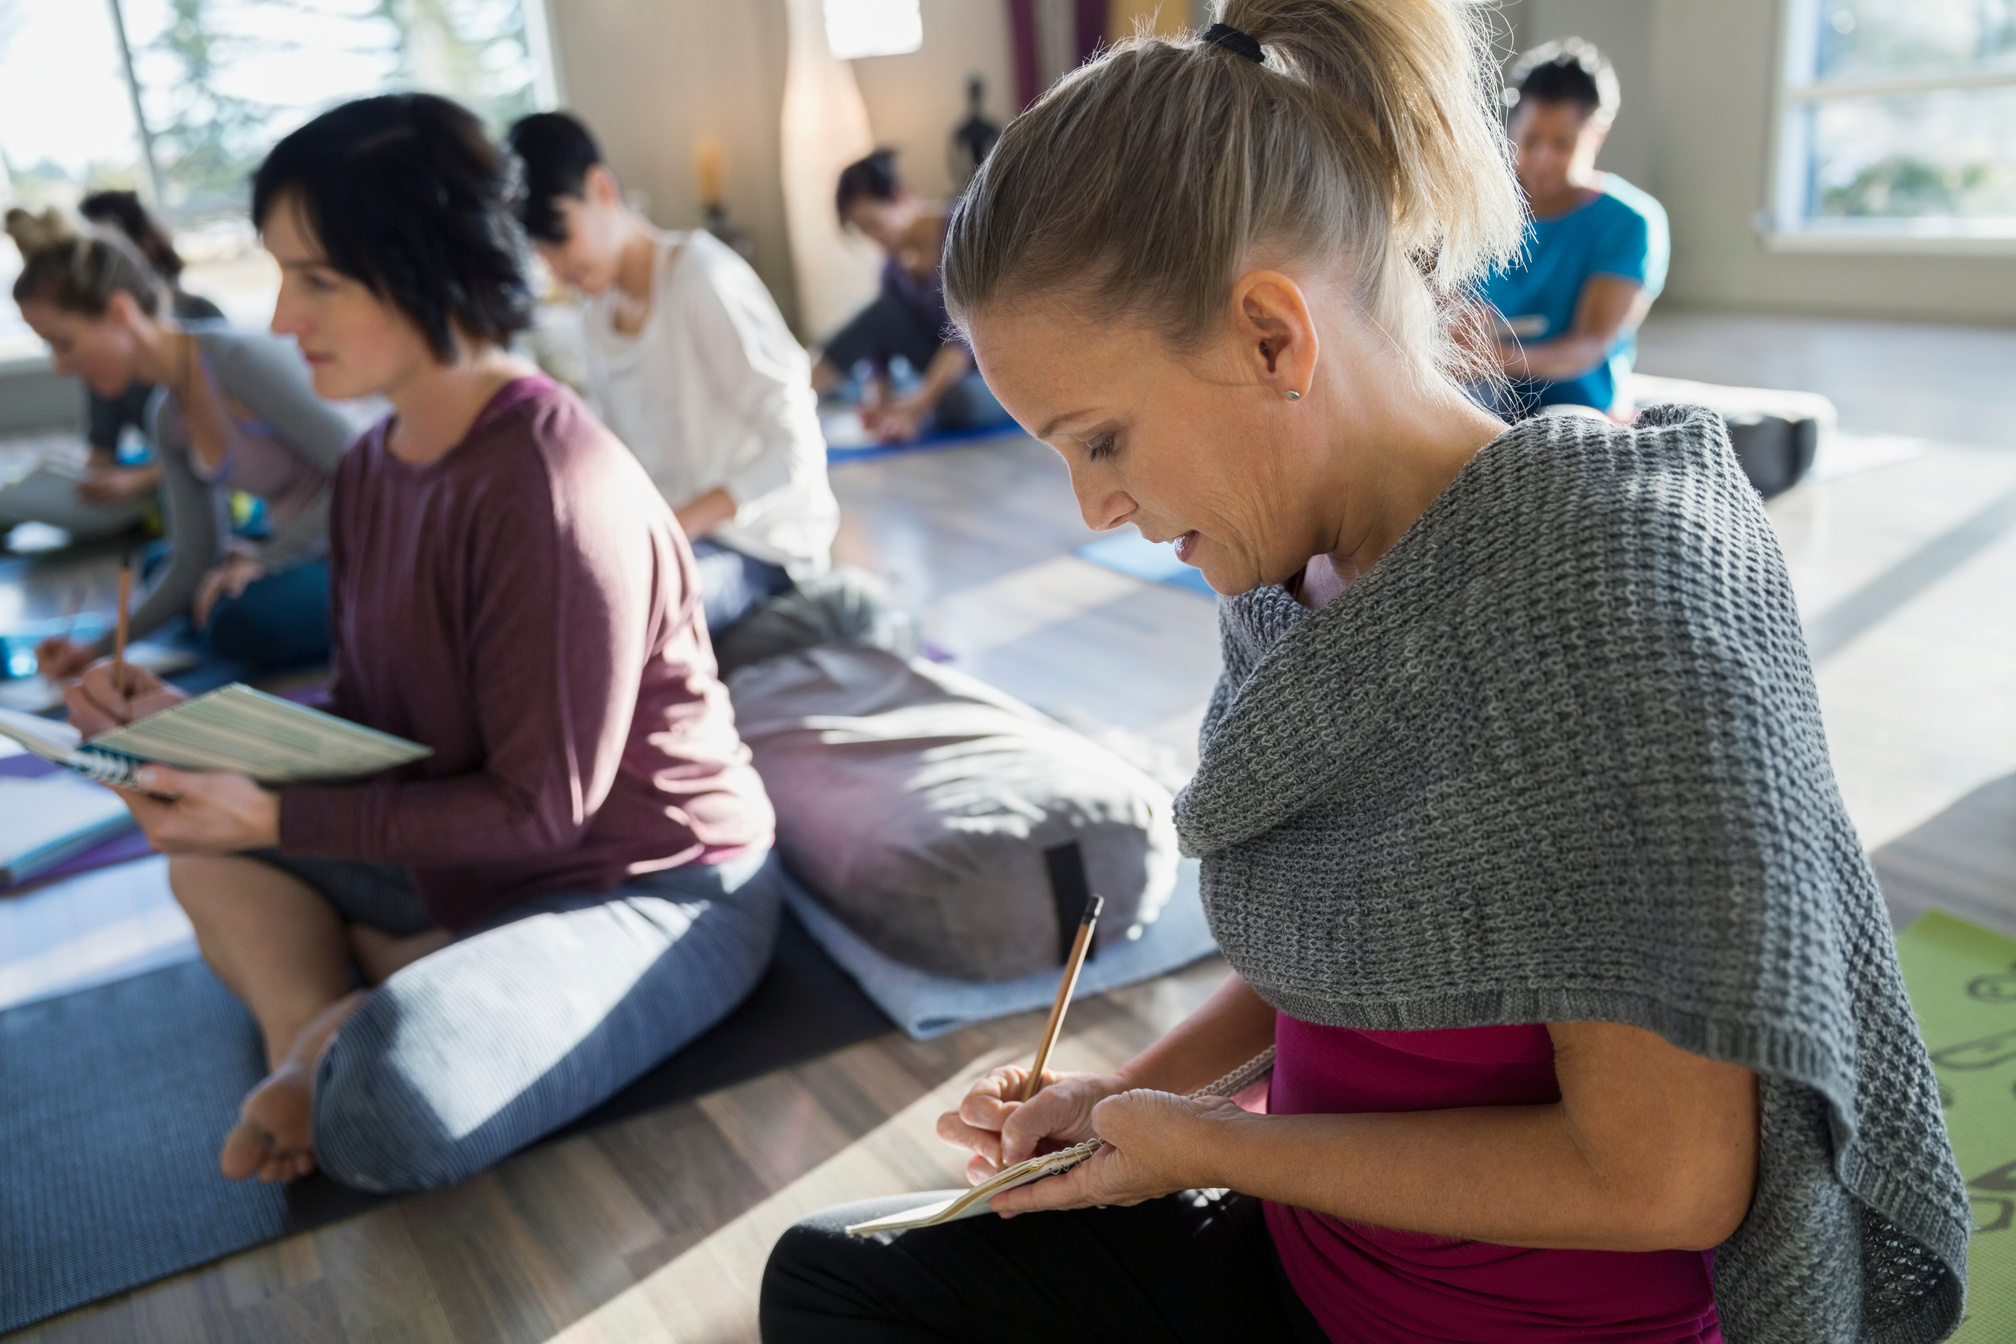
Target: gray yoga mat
(113, 1101)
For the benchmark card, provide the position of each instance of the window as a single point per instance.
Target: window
(857, 28)
(180, 99)
(1898, 122)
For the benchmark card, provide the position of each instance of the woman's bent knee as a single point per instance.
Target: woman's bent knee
(799, 1298)
(192, 877)
(375, 1126)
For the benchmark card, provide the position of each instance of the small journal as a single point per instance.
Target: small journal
(233, 728)
(979, 1200)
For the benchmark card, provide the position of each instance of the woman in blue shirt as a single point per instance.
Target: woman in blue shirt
(1596, 246)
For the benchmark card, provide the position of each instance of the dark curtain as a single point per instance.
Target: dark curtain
(1028, 70)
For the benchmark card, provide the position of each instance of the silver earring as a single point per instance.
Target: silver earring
(1292, 395)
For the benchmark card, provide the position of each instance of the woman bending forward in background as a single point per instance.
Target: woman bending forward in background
(578, 880)
(229, 410)
(1513, 800)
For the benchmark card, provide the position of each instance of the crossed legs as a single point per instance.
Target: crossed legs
(460, 1051)
(281, 947)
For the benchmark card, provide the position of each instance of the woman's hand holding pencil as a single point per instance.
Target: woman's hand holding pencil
(1000, 1129)
(1154, 1143)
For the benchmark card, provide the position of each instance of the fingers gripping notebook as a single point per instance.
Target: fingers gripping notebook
(979, 1199)
(233, 728)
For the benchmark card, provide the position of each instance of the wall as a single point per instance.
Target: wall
(653, 78)
(915, 100)
(1621, 30)
(1695, 130)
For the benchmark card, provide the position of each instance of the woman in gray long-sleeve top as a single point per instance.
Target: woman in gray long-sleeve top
(233, 411)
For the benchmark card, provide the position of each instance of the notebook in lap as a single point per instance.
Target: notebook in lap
(980, 1199)
(233, 728)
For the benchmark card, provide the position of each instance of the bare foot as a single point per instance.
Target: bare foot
(274, 1138)
(275, 1135)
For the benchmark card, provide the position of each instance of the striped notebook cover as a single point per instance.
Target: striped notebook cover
(249, 732)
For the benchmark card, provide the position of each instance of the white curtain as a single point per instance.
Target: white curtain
(825, 129)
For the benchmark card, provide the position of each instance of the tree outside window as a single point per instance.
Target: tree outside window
(186, 108)
(1899, 119)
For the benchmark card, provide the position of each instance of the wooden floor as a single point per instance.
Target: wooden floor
(657, 1229)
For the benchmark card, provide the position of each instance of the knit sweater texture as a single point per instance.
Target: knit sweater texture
(1557, 756)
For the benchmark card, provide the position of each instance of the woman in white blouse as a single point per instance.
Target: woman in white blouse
(692, 365)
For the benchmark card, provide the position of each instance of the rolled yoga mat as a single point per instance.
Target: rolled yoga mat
(113, 1101)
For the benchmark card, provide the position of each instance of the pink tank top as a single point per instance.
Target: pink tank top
(1375, 1285)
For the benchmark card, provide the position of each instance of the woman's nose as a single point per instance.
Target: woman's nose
(1102, 504)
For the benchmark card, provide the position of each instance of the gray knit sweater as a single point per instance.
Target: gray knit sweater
(1557, 756)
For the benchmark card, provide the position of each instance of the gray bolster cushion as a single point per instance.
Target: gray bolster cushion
(918, 803)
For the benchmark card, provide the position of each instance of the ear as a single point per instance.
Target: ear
(1275, 332)
(603, 188)
(123, 309)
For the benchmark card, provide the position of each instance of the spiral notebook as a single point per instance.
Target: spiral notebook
(234, 729)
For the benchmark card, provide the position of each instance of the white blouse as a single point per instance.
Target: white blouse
(716, 391)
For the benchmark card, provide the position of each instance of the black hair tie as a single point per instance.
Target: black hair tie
(1233, 40)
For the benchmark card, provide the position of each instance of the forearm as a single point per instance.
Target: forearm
(1608, 306)
(169, 598)
(1512, 1175)
(1568, 356)
(703, 513)
(474, 818)
(198, 523)
(1233, 1025)
(947, 367)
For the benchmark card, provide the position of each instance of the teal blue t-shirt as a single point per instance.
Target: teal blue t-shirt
(1621, 231)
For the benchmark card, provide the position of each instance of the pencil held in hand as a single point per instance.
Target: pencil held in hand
(1072, 965)
(119, 630)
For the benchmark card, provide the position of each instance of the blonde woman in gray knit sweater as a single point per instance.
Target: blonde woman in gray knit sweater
(1514, 808)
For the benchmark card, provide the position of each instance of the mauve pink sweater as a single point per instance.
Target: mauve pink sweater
(526, 606)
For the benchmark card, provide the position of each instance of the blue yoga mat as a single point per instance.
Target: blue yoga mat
(1134, 555)
(869, 452)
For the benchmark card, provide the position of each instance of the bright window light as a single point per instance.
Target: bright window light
(856, 28)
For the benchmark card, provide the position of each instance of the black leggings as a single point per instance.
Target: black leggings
(1195, 1266)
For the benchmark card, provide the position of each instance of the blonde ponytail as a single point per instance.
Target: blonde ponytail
(1150, 177)
(78, 269)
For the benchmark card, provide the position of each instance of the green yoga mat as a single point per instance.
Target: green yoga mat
(1963, 985)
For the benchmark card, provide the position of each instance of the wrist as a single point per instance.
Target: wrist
(1215, 1148)
(266, 822)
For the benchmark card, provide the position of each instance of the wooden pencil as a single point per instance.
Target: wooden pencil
(119, 630)
(1072, 965)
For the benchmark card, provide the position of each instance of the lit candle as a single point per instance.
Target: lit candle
(710, 160)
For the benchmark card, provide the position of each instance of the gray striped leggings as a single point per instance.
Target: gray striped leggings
(518, 1027)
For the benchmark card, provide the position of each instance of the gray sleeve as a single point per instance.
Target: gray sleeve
(199, 523)
(267, 375)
